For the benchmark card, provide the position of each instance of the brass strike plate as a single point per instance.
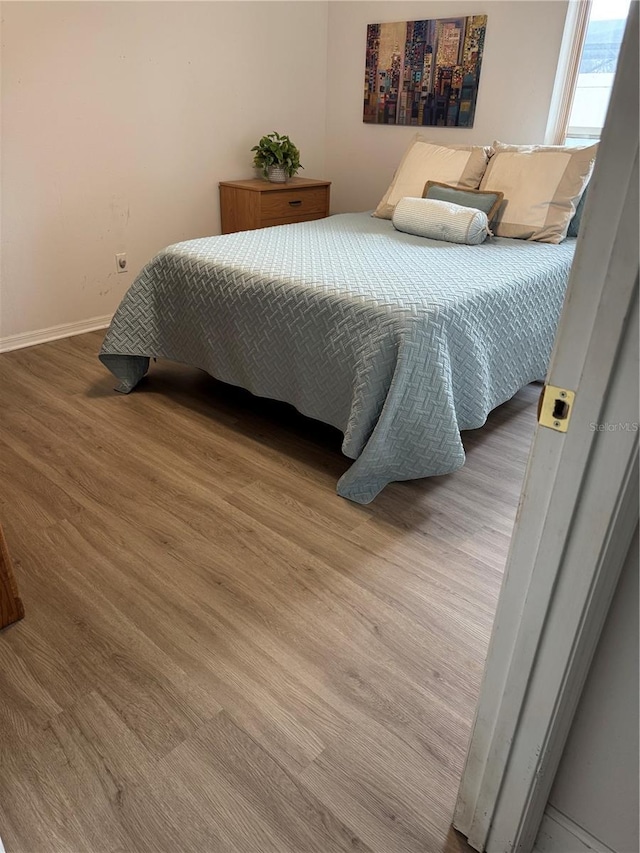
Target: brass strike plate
(555, 407)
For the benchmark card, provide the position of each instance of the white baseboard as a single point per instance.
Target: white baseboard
(54, 333)
(559, 834)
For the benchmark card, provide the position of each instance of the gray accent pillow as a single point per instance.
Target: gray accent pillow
(488, 201)
(574, 225)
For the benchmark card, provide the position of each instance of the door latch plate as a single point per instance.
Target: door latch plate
(555, 407)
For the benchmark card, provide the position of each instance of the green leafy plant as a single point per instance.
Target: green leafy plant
(276, 150)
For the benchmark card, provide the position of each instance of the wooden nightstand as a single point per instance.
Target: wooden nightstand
(247, 205)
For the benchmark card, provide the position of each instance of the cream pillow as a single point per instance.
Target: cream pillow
(458, 165)
(542, 185)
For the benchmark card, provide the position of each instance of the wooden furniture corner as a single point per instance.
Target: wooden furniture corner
(11, 607)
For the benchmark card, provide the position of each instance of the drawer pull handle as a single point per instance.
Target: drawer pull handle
(295, 203)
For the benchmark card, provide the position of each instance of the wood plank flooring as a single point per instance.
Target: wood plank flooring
(219, 654)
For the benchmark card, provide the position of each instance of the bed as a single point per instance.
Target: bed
(398, 341)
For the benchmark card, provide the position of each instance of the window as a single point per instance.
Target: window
(597, 69)
(590, 56)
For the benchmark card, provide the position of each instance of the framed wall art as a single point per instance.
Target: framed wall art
(424, 73)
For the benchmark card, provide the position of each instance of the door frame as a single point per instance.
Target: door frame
(578, 509)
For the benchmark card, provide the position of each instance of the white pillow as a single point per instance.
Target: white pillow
(441, 220)
(457, 165)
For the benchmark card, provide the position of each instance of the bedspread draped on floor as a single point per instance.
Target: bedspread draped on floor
(398, 341)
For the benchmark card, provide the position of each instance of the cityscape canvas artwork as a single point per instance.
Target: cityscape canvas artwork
(424, 73)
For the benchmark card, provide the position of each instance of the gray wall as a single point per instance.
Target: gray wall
(596, 787)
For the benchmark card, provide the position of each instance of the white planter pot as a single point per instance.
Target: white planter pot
(278, 175)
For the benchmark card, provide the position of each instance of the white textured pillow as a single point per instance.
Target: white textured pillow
(441, 220)
(457, 165)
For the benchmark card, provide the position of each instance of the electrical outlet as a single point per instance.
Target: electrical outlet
(121, 262)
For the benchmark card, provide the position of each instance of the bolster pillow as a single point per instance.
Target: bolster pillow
(441, 220)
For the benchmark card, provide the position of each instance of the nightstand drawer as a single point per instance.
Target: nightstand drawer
(296, 203)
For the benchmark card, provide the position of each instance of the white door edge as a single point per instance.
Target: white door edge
(538, 656)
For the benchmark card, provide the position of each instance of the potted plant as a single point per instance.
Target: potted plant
(277, 158)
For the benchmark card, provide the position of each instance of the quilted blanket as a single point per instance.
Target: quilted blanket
(398, 341)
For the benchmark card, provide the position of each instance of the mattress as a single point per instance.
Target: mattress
(398, 341)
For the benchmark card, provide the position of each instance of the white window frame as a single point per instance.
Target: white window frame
(575, 33)
(573, 41)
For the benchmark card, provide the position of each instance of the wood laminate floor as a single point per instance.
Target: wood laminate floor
(219, 654)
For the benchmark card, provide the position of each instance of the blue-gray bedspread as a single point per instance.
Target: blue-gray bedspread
(398, 341)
